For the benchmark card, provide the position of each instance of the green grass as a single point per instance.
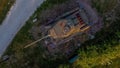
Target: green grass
(104, 6)
(93, 58)
(23, 36)
(33, 55)
(114, 64)
(101, 52)
(4, 8)
(95, 53)
(47, 4)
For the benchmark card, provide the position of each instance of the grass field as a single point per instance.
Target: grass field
(102, 53)
(4, 8)
(23, 58)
